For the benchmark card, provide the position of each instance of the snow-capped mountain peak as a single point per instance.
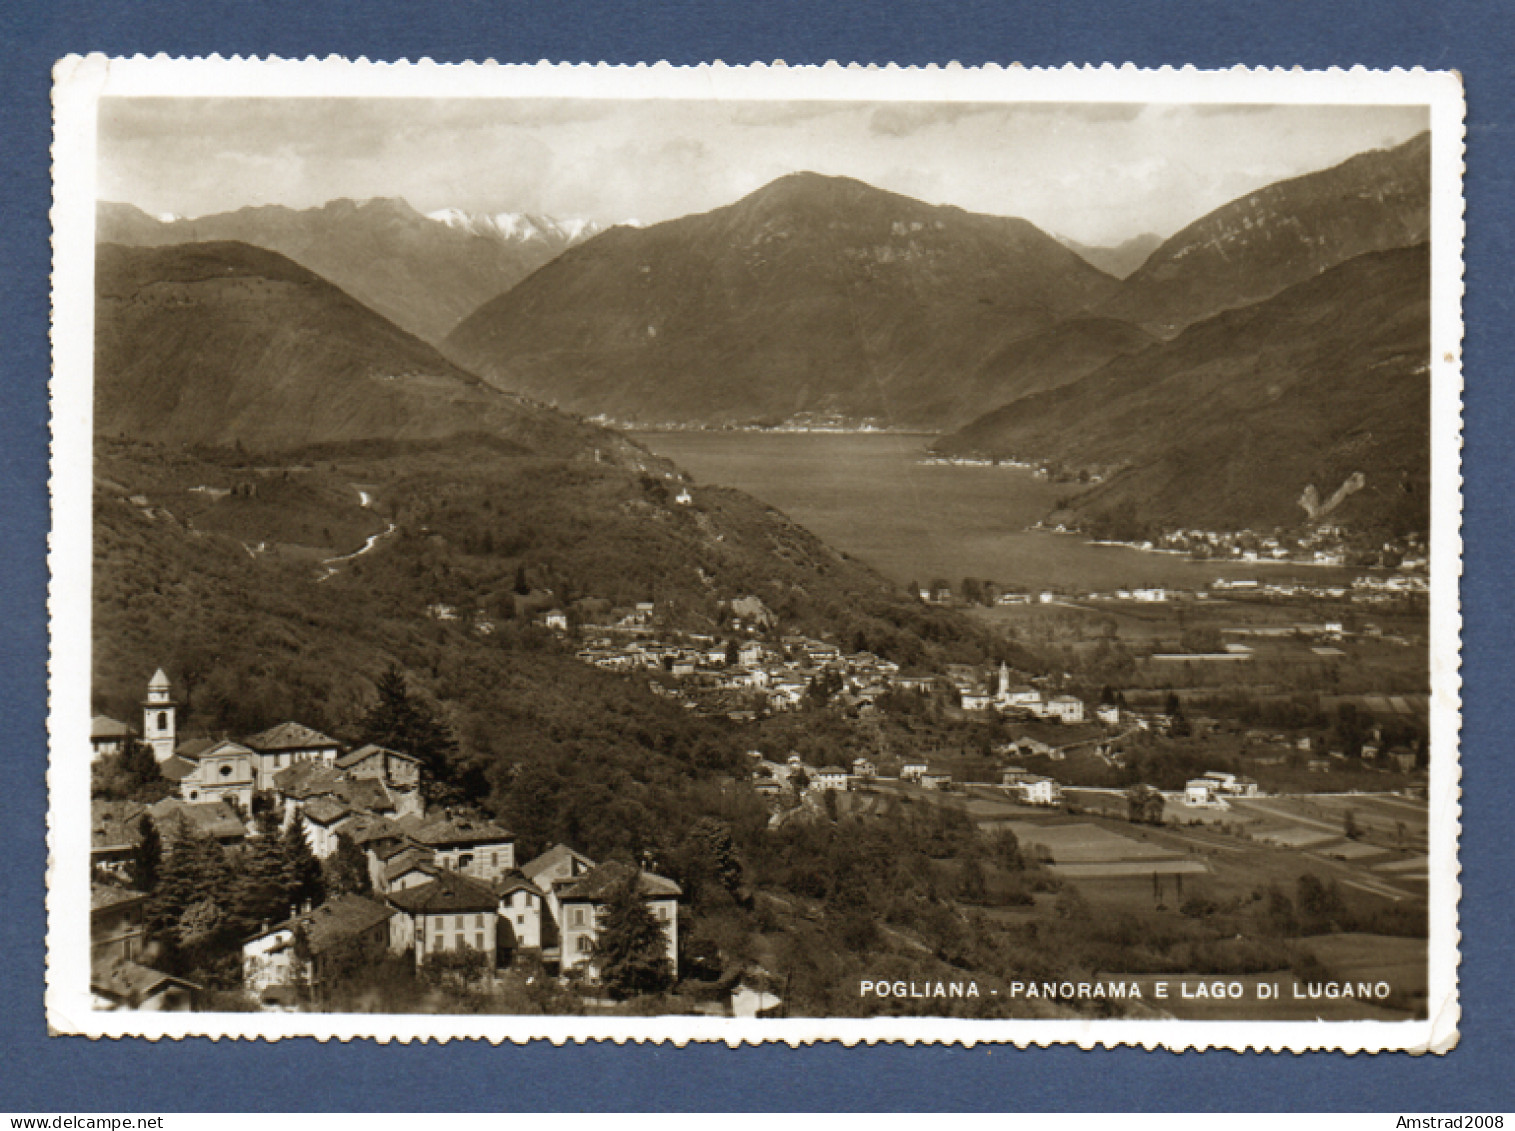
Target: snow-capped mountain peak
(517, 227)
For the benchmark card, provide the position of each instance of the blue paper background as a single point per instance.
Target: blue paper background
(39, 1073)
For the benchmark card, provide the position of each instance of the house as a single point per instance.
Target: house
(768, 787)
(323, 817)
(225, 771)
(913, 771)
(976, 700)
(583, 903)
(1023, 697)
(941, 782)
(270, 957)
(1204, 792)
(862, 768)
(451, 912)
(557, 868)
(522, 908)
(108, 737)
(1108, 713)
(115, 833)
(1014, 775)
(304, 782)
(214, 819)
(120, 983)
(829, 777)
(475, 847)
(117, 922)
(1065, 707)
(282, 746)
(1039, 791)
(408, 866)
(555, 619)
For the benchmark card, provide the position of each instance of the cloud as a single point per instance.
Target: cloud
(901, 119)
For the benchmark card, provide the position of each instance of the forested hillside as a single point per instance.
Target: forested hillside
(1228, 424)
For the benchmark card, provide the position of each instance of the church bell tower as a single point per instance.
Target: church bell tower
(158, 721)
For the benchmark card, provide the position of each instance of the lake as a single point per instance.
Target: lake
(870, 495)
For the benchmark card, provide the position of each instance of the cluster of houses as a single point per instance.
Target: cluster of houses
(1009, 698)
(440, 882)
(747, 673)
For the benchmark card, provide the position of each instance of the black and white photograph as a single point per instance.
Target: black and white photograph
(783, 564)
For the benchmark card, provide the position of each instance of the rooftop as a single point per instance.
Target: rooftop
(192, 748)
(449, 892)
(408, 859)
(598, 883)
(516, 881)
(554, 856)
(353, 757)
(460, 830)
(338, 919)
(209, 818)
(307, 779)
(104, 727)
(175, 768)
(114, 824)
(126, 981)
(291, 736)
(325, 810)
(103, 896)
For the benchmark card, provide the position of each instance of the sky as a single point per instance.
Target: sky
(1099, 173)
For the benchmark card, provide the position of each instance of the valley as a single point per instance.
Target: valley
(989, 606)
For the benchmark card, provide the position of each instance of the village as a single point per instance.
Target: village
(439, 885)
(442, 886)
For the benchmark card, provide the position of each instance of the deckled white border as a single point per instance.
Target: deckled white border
(81, 82)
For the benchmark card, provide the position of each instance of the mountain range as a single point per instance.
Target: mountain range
(1236, 366)
(1248, 412)
(815, 294)
(222, 343)
(1283, 234)
(423, 273)
(1120, 259)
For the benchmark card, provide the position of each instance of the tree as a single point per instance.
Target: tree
(147, 857)
(405, 722)
(632, 948)
(269, 881)
(1144, 805)
(1349, 827)
(345, 872)
(300, 871)
(183, 912)
(971, 885)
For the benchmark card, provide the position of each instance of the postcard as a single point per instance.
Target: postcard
(755, 554)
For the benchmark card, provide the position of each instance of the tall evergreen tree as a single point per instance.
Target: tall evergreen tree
(345, 872)
(300, 870)
(631, 951)
(147, 858)
(184, 912)
(263, 886)
(405, 722)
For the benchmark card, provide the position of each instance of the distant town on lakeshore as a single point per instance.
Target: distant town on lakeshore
(500, 614)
